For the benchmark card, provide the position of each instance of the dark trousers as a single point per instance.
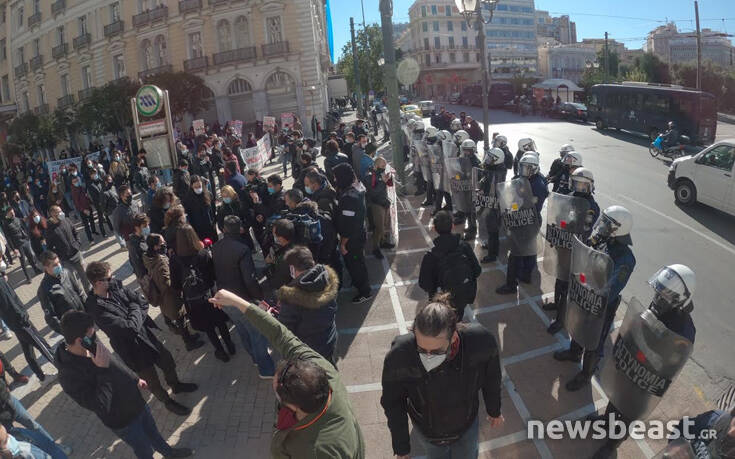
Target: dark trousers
(27, 258)
(102, 219)
(446, 197)
(493, 243)
(336, 263)
(224, 332)
(591, 357)
(519, 268)
(88, 222)
(28, 337)
(143, 436)
(561, 287)
(165, 361)
(472, 222)
(355, 264)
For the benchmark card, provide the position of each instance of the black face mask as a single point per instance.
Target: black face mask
(90, 343)
(128, 200)
(163, 249)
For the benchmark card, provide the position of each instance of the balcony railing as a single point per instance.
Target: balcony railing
(65, 101)
(196, 63)
(36, 62)
(58, 7)
(114, 28)
(34, 19)
(275, 49)
(148, 17)
(60, 50)
(248, 54)
(41, 109)
(160, 69)
(82, 40)
(21, 69)
(188, 6)
(85, 93)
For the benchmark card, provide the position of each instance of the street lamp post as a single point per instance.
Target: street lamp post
(470, 8)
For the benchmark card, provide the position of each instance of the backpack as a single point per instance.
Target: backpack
(308, 229)
(109, 202)
(150, 290)
(193, 286)
(455, 272)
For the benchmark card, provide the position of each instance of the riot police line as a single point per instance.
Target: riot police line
(588, 251)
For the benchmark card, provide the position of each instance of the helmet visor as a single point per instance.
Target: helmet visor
(530, 146)
(418, 135)
(670, 287)
(526, 169)
(605, 227)
(581, 186)
(468, 151)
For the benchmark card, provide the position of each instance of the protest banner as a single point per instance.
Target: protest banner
(198, 126)
(237, 127)
(287, 120)
(269, 122)
(54, 167)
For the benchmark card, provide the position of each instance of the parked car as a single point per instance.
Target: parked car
(403, 100)
(706, 177)
(412, 109)
(571, 110)
(426, 106)
(455, 98)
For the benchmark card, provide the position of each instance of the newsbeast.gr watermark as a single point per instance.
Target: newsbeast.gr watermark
(614, 429)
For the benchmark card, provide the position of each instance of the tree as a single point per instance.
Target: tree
(636, 74)
(655, 69)
(369, 42)
(22, 132)
(613, 67)
(185, 91)
(67, 124)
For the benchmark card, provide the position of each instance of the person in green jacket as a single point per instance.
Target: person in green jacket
(315, 419)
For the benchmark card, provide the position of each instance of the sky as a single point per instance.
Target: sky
(628, 21)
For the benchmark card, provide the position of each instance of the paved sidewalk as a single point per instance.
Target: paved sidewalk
(233, 412)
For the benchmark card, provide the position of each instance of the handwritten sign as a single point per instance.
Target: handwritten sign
(269, 122)
(198, 127)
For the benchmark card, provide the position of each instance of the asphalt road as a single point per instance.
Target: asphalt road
(663, 233)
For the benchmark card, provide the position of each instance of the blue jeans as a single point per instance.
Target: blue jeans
(464, 448)
(34, 432)
(167, 176)
(256, 345)
(143, 436)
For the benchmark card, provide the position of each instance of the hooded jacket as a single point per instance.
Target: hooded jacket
(308, 305)
(429, 272)
(59, 295)
(62, 238)
(160, 272)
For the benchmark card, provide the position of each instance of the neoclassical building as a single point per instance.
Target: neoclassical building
(257, 57)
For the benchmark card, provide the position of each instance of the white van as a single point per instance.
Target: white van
(706, 177)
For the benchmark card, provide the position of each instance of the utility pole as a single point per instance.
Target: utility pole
(485, 77)
(357, 87)
(607, 59)
(369, 86)
(391, 83)
(699, 46)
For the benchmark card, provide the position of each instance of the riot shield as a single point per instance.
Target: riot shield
(459, 171)
(589, 288)
(565, 217)
(480, 198)
(422, 149)
(437, 167)
(520, 218)
(645, 359)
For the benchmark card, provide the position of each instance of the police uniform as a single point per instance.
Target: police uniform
(492, 176)
(351, 225)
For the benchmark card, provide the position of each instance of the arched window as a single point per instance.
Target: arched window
(238, 86)
(280, 83)
(224, 35)
(146, 55)
(207, 94)
(159, 48)
(242, 32)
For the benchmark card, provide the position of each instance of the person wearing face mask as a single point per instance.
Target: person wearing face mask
(315, 417)
(118, 169)
(203, 167)
(22, 207)
(163, 200)
(231, 205)
(99, 382)
(283, 234)
(59, 292)
(182, 179)
(273, 203)
(136, 244)
(154, 184)
(199, 208)
(19, 242)
(122, 217)
(333, 157)
(122, 314)
(37, 225)
(56, 195)
(96, 192)
(84, 207)
(360, 160)
(434, 375)
(376, 185)
(62, 238)
(318, 189)
(39, 189)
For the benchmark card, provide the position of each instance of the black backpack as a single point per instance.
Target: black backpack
(308, 229)
(455, 272)
(109, 202)
(193, 286)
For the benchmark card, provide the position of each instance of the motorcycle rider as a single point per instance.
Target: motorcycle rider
(670, 137)
(525, 145)
(468, 149)
(672, 305)
(611, 234)
(521, 267)
(557, 166)
(582, 184)
(494, 172)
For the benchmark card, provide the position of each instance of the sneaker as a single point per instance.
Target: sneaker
(262, 376)
(506, 289)
(65, 448)
(378, 254)
(220, 354)
(192, 344)
(361, 299)
(550, 306)
(177, 408)
(567, 356)
(7, 334)
(180, 452)
(184, 387)
(488, 259)
(387, 245)
(554, 327)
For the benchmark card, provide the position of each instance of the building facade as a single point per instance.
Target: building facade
(511, 39)
(560, 28)
(565, 61)
(445, 47)
(673, 47)
(256, 57)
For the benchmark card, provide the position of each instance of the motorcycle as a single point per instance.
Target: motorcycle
(673, 151)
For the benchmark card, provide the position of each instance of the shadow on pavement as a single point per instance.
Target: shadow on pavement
(715, 220)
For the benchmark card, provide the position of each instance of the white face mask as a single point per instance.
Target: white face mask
(61, 216)
(430, 361)
(3, 267)
(198, 190)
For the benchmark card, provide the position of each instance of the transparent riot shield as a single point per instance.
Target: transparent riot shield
(565, 218)
(521, 220)
(437, 167)
(459, 171)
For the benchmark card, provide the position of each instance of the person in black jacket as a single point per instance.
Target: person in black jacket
(96, 189)
(16, 234)
(326, 251)
(181, 182)
(332, 158)
(450, 266)
(231, 205)
(59, 292)
(350, 220)
(141, 230)
(62, 238)
(308, 304)
(433, 376)
(376, 183)
(101, 383)
(199, 205)
(283, 235)
(162, 201)
(319, 190)
(123, 315)
(15, 316)
(122, 217)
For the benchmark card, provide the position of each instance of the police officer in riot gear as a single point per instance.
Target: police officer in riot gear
(418, 133)
(430, 137)
(468, 149)
(455, 125)
(525, 145)
(557, 166)
(494, 171)
(672, 305)
(442, 195)
(610, 234)
(582, 184)
(459, 137)
(501, 141)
